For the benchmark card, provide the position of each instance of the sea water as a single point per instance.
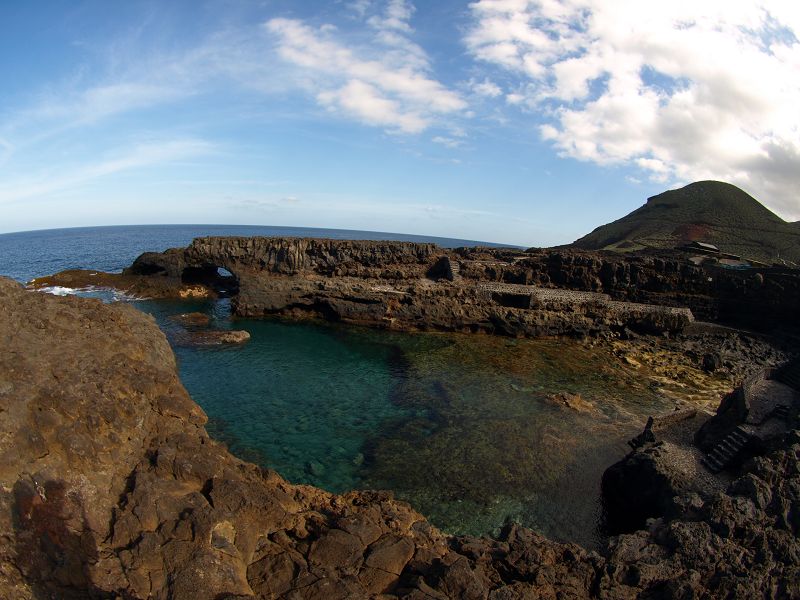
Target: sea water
(472, 430)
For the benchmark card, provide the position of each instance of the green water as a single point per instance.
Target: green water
(465, 427)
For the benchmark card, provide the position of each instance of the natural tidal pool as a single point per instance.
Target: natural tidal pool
(472, 430)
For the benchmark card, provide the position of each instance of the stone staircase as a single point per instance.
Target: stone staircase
(455, 270)
(781, 412)
(789, 374)
(726, 451)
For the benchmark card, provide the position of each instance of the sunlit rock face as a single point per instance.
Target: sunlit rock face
(411, 286)
(403, 285)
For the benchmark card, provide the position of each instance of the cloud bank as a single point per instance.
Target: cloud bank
(386, 82)
(682, 90)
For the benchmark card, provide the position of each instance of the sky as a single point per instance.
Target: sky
(511, 121)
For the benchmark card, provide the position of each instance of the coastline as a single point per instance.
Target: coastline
(208, 498)
(334, 545)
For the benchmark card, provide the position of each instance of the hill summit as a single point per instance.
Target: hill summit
(705, 211)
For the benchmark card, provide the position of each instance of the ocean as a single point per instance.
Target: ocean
(467, 428)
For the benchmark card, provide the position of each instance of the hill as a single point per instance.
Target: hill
(706, 211)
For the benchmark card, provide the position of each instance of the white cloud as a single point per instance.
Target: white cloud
(386, 83)
(486, 88)
(367, 104)
(396, 16)
(683, 90)
(359, 7)
(447, 142)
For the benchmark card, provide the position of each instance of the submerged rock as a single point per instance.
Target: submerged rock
(208, 337)
(193, 319)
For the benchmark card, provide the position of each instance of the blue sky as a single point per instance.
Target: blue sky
(509, 121)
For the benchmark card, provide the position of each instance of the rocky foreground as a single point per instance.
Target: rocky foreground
(111, 488)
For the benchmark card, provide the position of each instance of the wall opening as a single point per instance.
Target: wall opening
(224, 283)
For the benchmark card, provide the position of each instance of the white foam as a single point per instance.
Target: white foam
(57, 290)
(103, 293)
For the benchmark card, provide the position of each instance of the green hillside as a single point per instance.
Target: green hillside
(706, 211)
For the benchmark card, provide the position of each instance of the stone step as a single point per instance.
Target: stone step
(736, 439)
(734, 444)
(726, 450)
(733, 440)
(789, 375)
(711, 464)
(455, 270)
(740, 433)
(721, 456)
(782, 412)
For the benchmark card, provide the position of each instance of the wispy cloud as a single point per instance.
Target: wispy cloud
(76, 175)
(386, 83)
(447, 142)
(5, 150)
(99, 102)
(682, 90)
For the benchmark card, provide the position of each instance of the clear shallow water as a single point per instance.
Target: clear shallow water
(468, 428)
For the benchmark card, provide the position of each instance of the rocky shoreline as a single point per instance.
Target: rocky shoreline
(111, 487)
(412, 286)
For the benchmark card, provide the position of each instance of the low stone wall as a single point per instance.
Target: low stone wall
(664, 420)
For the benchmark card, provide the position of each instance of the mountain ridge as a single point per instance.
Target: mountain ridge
(714, 212)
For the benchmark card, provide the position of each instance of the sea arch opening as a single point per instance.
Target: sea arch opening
(224, 282)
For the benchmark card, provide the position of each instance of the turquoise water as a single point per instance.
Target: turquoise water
(298, 397)
(467, 428)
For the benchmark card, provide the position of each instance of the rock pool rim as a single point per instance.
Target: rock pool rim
(216, 530)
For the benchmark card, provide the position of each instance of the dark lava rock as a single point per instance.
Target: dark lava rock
(644, 484)
(711, 362)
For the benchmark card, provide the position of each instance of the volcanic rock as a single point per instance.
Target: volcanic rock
(110, 487)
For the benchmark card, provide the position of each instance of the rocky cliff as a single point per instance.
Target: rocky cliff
(420, 286)
(111, 488)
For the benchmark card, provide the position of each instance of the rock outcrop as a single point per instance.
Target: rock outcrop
(111, 488)
(409, 286)
(402, 286)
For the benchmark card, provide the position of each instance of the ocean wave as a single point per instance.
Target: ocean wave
(107, 295)
(57, 290)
